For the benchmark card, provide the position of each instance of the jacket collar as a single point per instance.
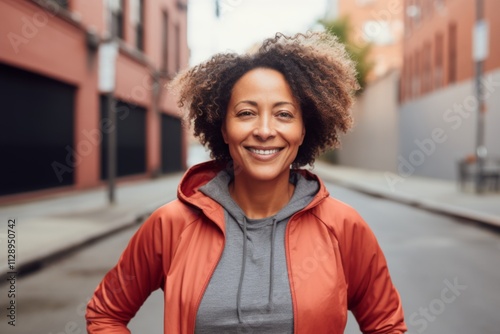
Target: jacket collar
(200, 174)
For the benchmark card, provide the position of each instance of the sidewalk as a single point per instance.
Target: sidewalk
(432, 194)
(50, 227)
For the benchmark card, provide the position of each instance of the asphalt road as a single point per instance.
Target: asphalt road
(447, 272)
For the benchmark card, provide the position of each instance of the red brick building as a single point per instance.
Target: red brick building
(438, 90)
(438, 44)
(378, 22)
(54, 116)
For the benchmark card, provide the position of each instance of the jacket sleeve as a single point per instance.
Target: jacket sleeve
(372, 297)
(124, 288)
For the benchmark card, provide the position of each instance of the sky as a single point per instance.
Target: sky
(243, 23)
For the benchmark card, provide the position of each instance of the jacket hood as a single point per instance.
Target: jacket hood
(200, 174)
(207, 184)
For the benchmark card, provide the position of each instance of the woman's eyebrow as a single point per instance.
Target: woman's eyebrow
(281, 103)
(255, 104)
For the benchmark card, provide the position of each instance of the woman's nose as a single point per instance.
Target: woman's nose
(264, 128)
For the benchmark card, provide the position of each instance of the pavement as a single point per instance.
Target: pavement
(51, 227)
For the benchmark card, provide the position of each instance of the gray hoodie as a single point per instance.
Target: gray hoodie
(249, 290)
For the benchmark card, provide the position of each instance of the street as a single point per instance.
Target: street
(446, 270)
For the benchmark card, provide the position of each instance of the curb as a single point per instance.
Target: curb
(442, 208)
(37, 261)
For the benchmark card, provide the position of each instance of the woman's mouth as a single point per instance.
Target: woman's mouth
(264, 151)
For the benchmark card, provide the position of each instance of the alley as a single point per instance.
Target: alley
(447, 272)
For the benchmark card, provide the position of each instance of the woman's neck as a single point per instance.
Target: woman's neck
(261, 199)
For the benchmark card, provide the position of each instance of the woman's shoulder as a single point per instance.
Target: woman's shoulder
(332, 207)
(338, 215)
(175, 213)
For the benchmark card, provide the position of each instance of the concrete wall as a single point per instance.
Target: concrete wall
(440, 128)
(373, 142)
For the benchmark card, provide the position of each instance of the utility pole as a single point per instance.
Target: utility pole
(480, 53)
(112, 148)
(107, 64)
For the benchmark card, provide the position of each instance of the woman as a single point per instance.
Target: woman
(253, 243)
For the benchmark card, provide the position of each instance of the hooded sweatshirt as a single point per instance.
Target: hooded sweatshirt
(249, 288)
(333, 260)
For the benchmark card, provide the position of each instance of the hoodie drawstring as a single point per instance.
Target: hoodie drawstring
(242, 274)
(270, 305)
(271, 269)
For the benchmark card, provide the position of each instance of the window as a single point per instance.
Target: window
(416, 75)
(409, 82)
(63, 3)
(418, 12)
(177, 48)
(427, 67)
(405, 80)
(408, 20)
(164, 40)
(378, 32)
(414, 12)
(452, 53)
(438, 61)
(439, 5)
(116, 10)
(364, 2)
(137, 18)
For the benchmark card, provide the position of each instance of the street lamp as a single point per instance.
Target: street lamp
(479, 54)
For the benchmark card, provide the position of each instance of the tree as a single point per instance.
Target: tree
(359, 51)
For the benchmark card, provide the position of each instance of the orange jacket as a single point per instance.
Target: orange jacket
(334, 262)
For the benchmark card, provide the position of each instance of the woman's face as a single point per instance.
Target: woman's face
(263, 126)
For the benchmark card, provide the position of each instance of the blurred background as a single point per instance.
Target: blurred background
(91, 141)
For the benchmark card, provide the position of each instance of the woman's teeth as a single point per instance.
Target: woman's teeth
(264, 152)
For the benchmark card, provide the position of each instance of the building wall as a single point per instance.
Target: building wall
(438, 89)
(436, 122)
(41, 42)
(373, 142)
(438, 44)
(439, 128)
(47, 40)
(379, 22)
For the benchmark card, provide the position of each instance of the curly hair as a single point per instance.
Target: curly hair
(317, 68)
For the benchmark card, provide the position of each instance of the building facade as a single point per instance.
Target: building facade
(374, 141)
(378, 22)
(55, 119)
(439, 106)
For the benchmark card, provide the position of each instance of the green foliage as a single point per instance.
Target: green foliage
(359, 52)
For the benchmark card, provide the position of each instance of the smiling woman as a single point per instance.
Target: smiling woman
(253, 243)
(263, 130)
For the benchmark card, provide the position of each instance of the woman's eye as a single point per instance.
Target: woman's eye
(285, 114)
(244, 113)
